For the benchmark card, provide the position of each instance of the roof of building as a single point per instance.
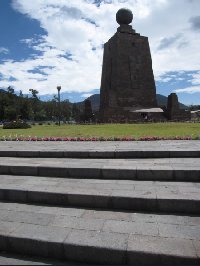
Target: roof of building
(196, 111)
(147, 110)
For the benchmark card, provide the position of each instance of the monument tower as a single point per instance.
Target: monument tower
(127, 82)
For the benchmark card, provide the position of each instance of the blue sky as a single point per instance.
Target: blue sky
(46, 43)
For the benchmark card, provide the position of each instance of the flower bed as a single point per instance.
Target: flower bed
(146, 138)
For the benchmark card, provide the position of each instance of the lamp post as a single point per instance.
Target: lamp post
(59, 88)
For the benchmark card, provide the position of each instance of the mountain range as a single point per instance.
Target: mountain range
(95, 101)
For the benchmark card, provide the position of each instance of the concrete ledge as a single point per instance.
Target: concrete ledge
(98, 247)
(22, 170)
(184, 154)
(102, 154)
(184, 175)
(27, 154)
(37, 240)
(142, 154)
(151, 173)
(117, 173)
(84, 172)
(116, 201)
(7, 258)
(99, 236)
(76, 154)
(47, 154)
(52, 171)
(148, 250)
(10, 153)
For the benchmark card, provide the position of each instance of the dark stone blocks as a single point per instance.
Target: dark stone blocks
(127, 75)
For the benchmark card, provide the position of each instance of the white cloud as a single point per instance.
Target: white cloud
(4, 50)
(190, 90)
(196, 78)
(78, 28)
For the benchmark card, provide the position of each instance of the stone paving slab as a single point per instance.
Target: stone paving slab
(113, 149)
(98, 236)
(180, 169)
(134, 195)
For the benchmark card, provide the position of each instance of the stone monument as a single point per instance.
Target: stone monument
(174, 112)
(127, 83)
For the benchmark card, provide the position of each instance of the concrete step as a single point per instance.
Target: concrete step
(99, 236)
(7, 258)
(101, 154)
(90, 210)
(119, 149)
(164, 169)
(182, 197)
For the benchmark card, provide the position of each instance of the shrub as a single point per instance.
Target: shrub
(16, 125)
(40, 123)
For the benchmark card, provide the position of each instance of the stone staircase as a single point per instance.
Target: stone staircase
(101, 203)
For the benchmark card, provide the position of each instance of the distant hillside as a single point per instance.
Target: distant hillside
(95, 101)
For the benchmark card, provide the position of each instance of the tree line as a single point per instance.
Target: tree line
(31, 108)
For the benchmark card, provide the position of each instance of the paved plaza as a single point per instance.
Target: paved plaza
(100, 202)
(112, 146)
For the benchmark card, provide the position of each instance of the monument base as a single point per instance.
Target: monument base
(132, 115)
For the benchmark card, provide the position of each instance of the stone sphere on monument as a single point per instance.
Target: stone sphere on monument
(124, 16)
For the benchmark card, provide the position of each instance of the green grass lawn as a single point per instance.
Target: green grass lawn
(107, 130)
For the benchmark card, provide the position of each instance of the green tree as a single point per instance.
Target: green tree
(34, 93)
(10, 90)
(10, 113)
(76, 113)
(35, 102)
(66, 110)
(25, 109)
